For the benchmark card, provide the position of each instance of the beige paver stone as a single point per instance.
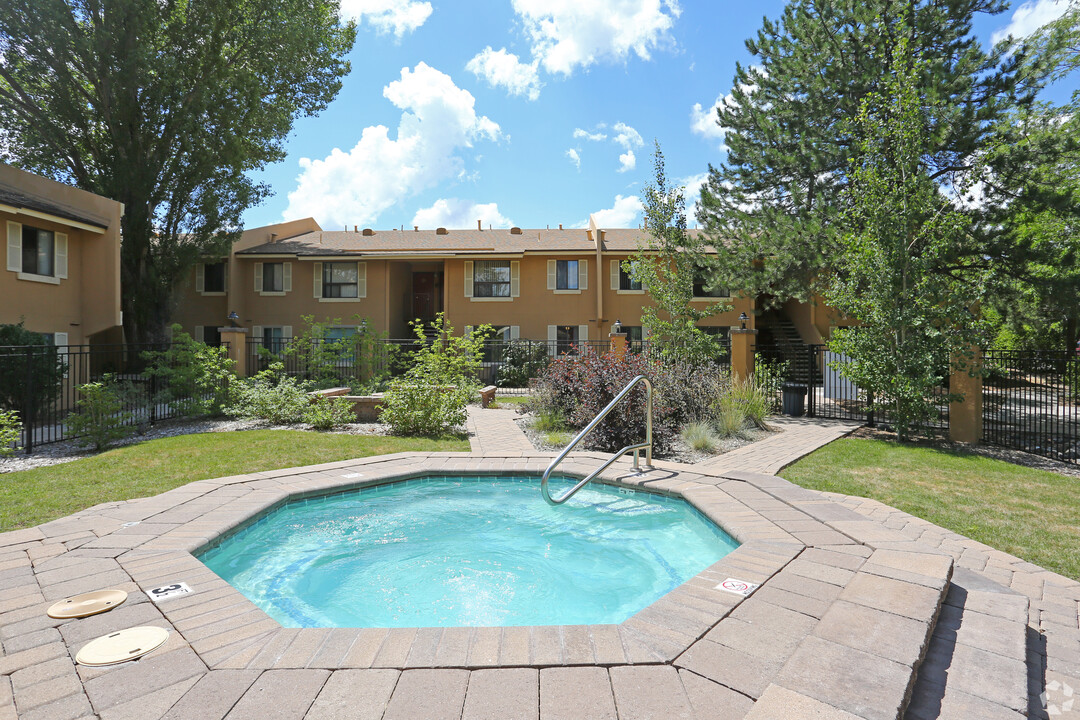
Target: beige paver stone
(395, 648)
(503, 694)
(283, 694)
(429, 694)
(607, 645)
(908, 599)
(809, 606)
(779, 703)
(151, 705)
(66, 708)
(27, 658)
(302, 649)
(890, 636)
(712, 700)
(453, 648)
(749, 674)
(32, 696)
(354, 695)
(771, 642)
(424, 645)
(132, 679)
(576, 693)
(484, 647)
(273, 648)
(31, 640)
(982, 631)
(213, 695)
(514, 646)
(337, 643)
(545, 646)
(363, 651)
(988, 675)
(650, 693)
(941, 704)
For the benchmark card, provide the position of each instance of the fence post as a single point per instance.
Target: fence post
(618, 344)
(811, 376)
(966, 416)
(28, 410)
(236, 337)
(742, 353)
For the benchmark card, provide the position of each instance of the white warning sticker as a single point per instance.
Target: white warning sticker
(739, 587)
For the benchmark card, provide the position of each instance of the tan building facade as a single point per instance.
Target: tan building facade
(62, 271)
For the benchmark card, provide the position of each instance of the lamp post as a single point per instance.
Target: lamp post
(742, 319)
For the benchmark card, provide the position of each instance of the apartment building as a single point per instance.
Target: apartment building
(556, 284)
(62, 274)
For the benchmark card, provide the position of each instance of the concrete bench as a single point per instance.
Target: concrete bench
(487, 396)
(330, 392)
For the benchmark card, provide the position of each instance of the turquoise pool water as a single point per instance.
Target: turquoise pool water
(475, 551)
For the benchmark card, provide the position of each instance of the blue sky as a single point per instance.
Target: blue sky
(527, 112)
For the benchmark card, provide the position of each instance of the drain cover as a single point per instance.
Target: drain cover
(122, 645)
(87, 604)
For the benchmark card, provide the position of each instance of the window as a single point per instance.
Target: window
(273, 339)
(634, 337)
(700, 283)
(626, 282)
(273, 275)
(491, 278)
(566, 275)
(566, 336)
(340, 332)
(211, 334)
(340, 280)
(37, 251)
(214, 278)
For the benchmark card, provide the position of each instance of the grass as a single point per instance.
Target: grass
(31, 497)
(556, 438)
(699, 436)
(509, 401)
(1033, 514)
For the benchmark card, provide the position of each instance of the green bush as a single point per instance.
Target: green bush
(548, 419)
(10, 432)
(192, 377)
(100, 418)
(430, 398)
(730, 417)
(30, 372)
(699, 436)
(272, 396)
(326, 413)
(521, 361)
(752, 398)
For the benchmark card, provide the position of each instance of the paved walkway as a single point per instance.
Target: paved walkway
(492, 431)
(799, 437)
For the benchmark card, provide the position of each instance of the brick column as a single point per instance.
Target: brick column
(618, 344)
(742, 353)
(966, 416)
(236, 337)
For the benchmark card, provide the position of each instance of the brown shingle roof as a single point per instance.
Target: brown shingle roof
(454, 242)
(24, 201)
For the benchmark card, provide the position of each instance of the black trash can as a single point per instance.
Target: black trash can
(794, 399)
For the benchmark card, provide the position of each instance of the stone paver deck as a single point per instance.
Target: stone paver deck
(862, 612)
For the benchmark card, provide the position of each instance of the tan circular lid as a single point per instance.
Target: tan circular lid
(87, 604)
(122, 645)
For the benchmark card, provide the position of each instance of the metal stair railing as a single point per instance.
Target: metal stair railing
(647, 445)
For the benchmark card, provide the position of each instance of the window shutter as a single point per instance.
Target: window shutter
(258, 277)
(552, 270)
(286, 333)
(361, 280)
(14, 246)
(583, 274)
(614, 274)
(286, 277)
(199, 336)
(60, 339)
(583, 333)
(645, 332)
(200, 278)
(515, 278)
(318, 279)
(468, 331)
(553, 333)
(60, 251)
(257, 331)
(468, 278)
(515, 332)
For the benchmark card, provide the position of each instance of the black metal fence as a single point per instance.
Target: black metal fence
(1031, 402)
(41, 383)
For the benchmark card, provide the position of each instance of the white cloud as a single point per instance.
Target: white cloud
(623, 214)
(438, 118)
(628, 138)
(503, 69)
(703, 122)
(627, 161)
(1029, 17)
(590, 136)
(396, 16)
(571, 34)
(575, 157)
(693, 185)
(454, 213)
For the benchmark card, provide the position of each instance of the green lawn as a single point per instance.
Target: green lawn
(1032, 514)
(31, 497)
(510, 401)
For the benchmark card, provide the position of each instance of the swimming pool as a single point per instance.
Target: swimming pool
(446, 551)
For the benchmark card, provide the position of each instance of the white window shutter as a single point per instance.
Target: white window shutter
(614, 274)
(286, 277)
(14, 246)
(200, 278)
(645, 332)
(199, 333)
(553, 333)
(583, 274)
(318, 280)
(552, 271)
(583, 333)
(515, 278)
(60, 252)
(286, 333)
(60, 339)
(468, 331)
(361, 280)
(258, 277)
(257, 331)
(515, 332)
(468, 278)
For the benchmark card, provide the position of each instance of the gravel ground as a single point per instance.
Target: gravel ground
(682, 453)
(62, 452)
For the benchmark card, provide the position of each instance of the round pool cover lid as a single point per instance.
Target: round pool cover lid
(122, 645)
(87, 604)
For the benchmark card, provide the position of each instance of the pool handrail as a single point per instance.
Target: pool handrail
(647, 445)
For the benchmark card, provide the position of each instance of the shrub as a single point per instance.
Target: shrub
(699, 436)
(431, 397)
(753, 399)
(10, 432)
(31, 373)
(272, 396)
(193, 377)
(730, 417)
(556, 438)
(548, 419)
(521, 361)
(101, 418)
(325, 413)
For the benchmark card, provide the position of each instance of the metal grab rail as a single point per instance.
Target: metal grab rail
(647, 445)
